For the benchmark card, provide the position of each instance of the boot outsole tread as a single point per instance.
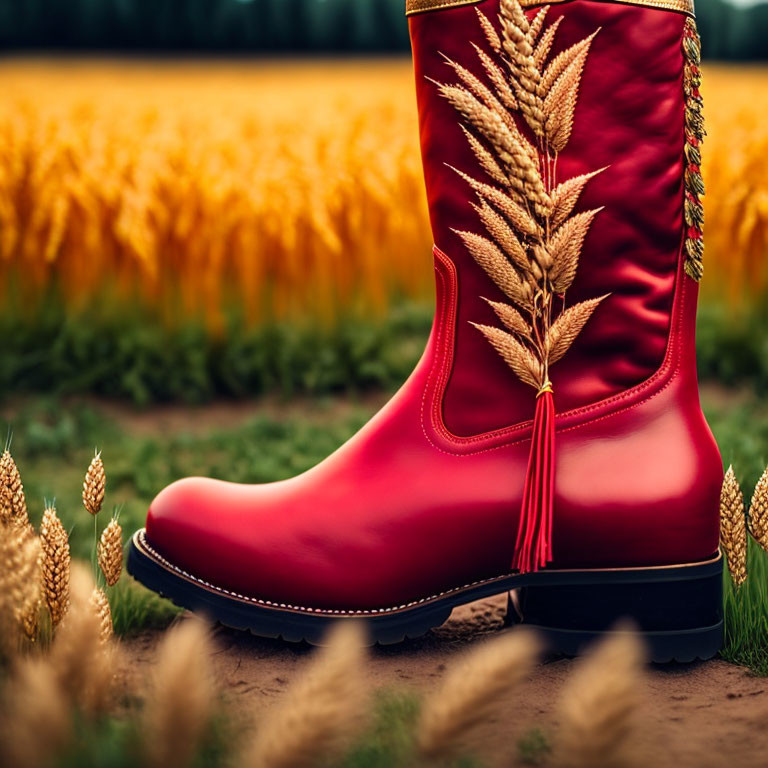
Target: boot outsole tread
(676, 609)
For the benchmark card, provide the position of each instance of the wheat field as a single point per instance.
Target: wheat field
(279, 190)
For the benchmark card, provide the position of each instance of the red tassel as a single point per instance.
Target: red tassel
(533, 549)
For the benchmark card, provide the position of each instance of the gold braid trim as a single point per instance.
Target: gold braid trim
(694, 136)
(423, 6)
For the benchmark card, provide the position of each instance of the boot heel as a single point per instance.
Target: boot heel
(680, 617)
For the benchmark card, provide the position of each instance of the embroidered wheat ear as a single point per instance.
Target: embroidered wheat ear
(471, 693)
(758, 512)
(533, 239)
(733, 528)
(110, 552)
(55, 564)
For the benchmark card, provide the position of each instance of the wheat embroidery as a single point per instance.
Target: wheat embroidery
(517, 119)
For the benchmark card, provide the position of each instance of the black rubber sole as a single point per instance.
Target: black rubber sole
(677, 609)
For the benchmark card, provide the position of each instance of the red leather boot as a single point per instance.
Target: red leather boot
(561, 154)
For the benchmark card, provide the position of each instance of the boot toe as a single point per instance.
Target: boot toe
(185, 524)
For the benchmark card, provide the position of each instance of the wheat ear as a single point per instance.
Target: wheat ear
(30, 585)
(13, 504)
(86, 666)
(758, 512)
(100, 604)
(180, 697)
(471, 692)
(94, 485)
(56, 564)
(19, 587)
(599, 703)
(110, 552)
(733, 528)
(35, 720)
(320, 713)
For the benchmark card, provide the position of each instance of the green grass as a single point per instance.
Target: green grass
(746, 615)
(123, 352)
(731, 346)
(533, 747)
(742, 433)
(388, 740)
(135, 608)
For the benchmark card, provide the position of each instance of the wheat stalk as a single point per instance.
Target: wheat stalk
(180, 697)
(758, 512)
(320, 713)
(471, 693)
(733, 528)
(94, 485)
(110, 552)
(535, 240)
(599, 703)
(56, 563)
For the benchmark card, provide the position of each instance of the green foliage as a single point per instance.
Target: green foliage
(135, 608)
(533, 747)
(300, 25)
(740, 425)
(114, 742)
(129, 354)
(732, 33)
(731, 349)
(205, 25)
(387, 743)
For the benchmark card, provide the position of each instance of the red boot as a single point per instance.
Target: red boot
(561, 154)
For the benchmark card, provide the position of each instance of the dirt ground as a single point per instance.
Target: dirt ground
(704, 715)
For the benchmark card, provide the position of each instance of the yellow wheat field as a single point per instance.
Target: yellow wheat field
(736, 174)
(283, 190)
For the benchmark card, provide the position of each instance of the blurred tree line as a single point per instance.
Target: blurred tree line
(243, 26)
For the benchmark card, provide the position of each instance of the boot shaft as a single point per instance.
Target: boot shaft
(630, 118)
